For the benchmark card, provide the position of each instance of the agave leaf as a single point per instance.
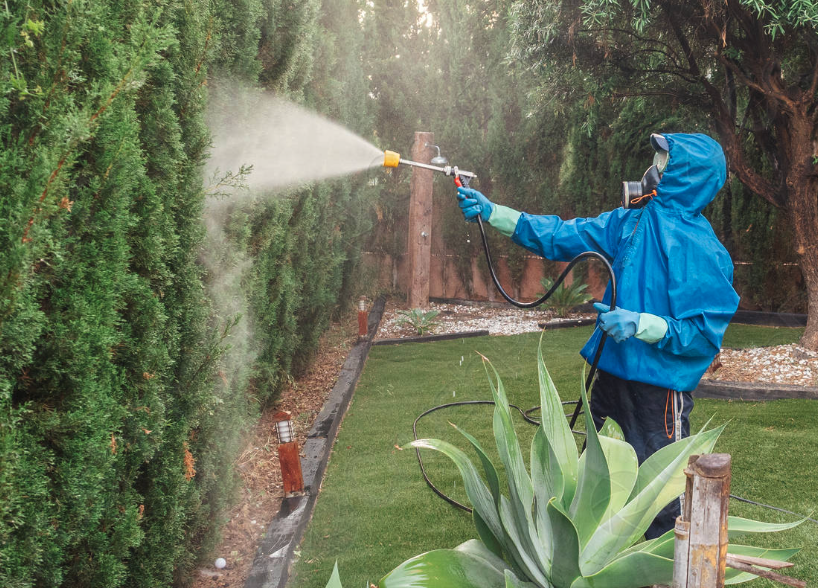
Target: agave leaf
(738, 527)
(486, 536)
(565, 562)
(657, 462)
(548, 482)
(335, 578)
(527, 555)
(513, 581)
(732, 576)
(521, 492)
(469, 565)
(476, 490)
(610, 428)
(593, 484)
(488, 467)
(546, 473)
(663, 546)
(556, 429)
(623, 467)
(629, 523)
(476, 548)
(480, 497)
(636, 569)
(508, 446)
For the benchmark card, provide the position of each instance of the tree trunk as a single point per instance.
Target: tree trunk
(804, 219)
(802, 185)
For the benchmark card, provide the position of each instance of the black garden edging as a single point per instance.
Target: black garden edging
(566, 323)
(271, 566)
(427, 338)
(770, 319)
(753, 391)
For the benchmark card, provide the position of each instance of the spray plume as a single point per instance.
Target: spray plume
(285, 144)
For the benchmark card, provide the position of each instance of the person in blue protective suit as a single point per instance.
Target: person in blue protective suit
(674, 298)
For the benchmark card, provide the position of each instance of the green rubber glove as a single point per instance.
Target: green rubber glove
(504, 219)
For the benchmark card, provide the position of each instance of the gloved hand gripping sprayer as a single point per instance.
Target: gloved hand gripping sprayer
(462, 179)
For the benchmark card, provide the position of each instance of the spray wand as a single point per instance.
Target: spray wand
(461, 178)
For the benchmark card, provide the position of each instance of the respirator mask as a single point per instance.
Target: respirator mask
(638, 194)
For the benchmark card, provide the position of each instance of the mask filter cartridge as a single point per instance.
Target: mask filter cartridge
(638, 194)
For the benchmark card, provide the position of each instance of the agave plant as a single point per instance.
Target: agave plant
(573, 521)
(564, 298)
(422, 321)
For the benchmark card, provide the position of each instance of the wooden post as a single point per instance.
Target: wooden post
(420, 222)
(705, 520)
(290, 467)
(363, 319)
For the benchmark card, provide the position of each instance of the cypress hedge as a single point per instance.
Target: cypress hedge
(120, 414)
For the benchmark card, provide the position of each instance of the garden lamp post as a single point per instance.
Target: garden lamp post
(288, 453)
(363, 319)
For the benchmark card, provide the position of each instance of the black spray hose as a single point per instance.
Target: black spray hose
(547, 295)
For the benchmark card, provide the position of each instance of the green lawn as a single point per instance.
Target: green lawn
(375, 511)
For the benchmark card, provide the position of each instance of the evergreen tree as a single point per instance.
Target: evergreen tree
(117, 433)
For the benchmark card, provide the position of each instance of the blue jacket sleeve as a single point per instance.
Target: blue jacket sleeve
(697, 331)
(696, 336)
(559, 240)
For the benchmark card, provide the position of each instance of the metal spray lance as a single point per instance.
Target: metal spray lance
(441, 164)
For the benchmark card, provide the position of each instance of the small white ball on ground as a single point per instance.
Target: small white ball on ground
(220, 563)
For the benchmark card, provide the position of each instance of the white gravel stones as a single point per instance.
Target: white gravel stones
(457, 318)
(781, 364)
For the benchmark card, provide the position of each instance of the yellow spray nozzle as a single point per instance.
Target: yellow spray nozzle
(391, 159)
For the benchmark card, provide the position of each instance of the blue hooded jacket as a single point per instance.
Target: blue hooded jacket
(667, 262)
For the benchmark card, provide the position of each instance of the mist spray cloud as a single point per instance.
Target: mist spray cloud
(285, 144)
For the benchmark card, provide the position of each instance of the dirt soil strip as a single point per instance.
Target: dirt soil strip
(271, 566)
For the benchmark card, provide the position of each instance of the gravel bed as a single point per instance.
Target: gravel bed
(457, 318)
(782, 364)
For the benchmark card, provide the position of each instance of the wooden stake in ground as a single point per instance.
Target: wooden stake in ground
(706, 505)
(700, 555)
(420, 222)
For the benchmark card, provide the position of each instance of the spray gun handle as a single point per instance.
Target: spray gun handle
(461, 181)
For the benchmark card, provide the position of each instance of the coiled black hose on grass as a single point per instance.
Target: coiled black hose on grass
(518, 304)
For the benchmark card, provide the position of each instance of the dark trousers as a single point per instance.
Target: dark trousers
(651, 418)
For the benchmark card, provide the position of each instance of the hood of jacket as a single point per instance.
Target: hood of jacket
(695, 173)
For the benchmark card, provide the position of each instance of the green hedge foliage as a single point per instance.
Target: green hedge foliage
(121, 406)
